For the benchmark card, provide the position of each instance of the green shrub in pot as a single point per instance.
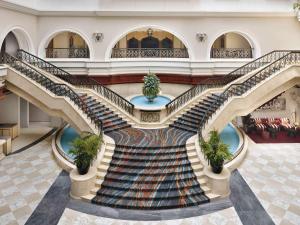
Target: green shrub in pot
(85, 149)
(215, 151)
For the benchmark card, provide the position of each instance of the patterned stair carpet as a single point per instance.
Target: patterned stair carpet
(150, 170)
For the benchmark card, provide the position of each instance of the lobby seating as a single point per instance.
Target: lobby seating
(269, 127)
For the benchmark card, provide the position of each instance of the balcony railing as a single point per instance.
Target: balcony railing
(67, 53)
(230, 53)
(150, 53)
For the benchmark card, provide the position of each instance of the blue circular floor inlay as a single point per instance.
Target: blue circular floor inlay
(142, 101)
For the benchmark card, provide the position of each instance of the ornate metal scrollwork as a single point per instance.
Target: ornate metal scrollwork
(231, 53)
(67, 52)
(150, 53)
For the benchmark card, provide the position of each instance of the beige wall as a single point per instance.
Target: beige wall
(23, 25)
(62, 40)
(233, 40)
(10, 109)
(263, 32)
(37, 115)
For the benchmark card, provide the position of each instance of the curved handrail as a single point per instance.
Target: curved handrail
(86, 82)
(241, 88)
(226, 79)
(56, 88)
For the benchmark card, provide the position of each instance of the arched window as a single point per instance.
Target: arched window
(150, 42)
(167, 43)
(231, 45)
(67, 45)
(133, 43)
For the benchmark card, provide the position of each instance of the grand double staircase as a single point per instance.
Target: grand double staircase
(153, 168)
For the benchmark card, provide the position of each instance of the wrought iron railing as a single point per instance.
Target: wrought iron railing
(56, 88)
(149, 53)
(223, 80)
(239, 89)
(82, 82)
(231, 53)
(67, 53)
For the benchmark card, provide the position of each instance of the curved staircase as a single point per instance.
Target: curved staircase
(157, 169)
(151, 169)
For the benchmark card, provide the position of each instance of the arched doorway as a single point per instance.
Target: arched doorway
(149, 43)
(231, 45)
(15, 38)
(67, 45)
(10, 44)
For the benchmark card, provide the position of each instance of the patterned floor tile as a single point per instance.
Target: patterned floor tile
(272, 172)
(223, 217)
(23, 184)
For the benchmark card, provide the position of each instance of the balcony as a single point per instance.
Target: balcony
(67, 53)
(231, 53)
(150, 53)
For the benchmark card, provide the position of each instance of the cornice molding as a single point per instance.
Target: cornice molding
(100, 13)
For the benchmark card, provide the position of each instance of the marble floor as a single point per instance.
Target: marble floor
(272, 171)
(29, 135)
(224, 217)
(24, 180)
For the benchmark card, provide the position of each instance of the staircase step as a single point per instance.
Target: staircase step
(197, 167)
(213, 197)
(105, 161)
(94, 191)
(151, 204)
(98, 183)
(114, 124)
(121, 126)
(88, 197)
(194, 160)
(191, 147)
(192, 154)
(199, 174)
(108, 154)
(183, 127)
(101, 174)
(202, 181)
(187, 123)
(102, 167)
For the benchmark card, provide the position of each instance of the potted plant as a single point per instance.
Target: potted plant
(296, 7)
(151, 86)
(85, 149)
(215, 151)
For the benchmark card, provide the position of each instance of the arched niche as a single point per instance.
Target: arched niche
(151, 42)
(67, 44)
(231, 45)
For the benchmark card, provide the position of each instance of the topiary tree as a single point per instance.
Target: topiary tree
(215, 151)
(151, 86)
